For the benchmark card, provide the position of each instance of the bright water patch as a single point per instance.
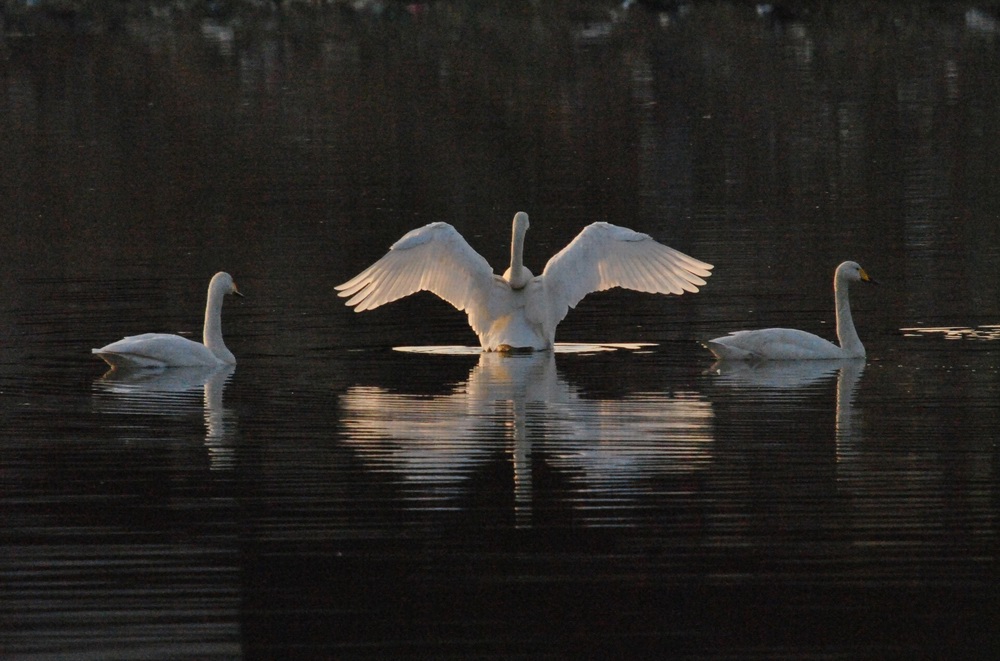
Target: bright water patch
(986, 333)
(560, 347)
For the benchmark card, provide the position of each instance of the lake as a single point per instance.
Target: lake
(372, 485)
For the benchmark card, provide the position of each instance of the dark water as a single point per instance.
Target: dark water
(334, 498)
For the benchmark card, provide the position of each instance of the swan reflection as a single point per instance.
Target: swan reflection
(788, 379)
(519, 405)
(779, 376)
(175, 392)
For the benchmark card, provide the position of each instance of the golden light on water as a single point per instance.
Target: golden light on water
(978, 333)
(560, 347)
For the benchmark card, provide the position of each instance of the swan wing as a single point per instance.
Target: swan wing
(434, 258)
(774, 344)
(603, 256)
(156, 350)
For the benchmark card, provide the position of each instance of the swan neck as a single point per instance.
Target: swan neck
(212, 335)
(846, 333)
(517, 249)
(518, 278)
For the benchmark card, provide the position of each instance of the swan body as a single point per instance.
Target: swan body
(519, 310)
(792, 344)
(159, 350)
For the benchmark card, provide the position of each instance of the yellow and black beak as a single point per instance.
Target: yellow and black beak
(867, 278)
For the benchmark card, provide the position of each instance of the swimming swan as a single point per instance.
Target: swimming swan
(519, 310)
(157, 350)
(791, 344)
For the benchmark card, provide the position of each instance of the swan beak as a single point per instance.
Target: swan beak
(867, 278)
(237, 291)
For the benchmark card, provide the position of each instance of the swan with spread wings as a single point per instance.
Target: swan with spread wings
(519, 311)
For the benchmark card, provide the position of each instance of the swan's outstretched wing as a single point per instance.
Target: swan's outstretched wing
(603, 256)
(432, 258)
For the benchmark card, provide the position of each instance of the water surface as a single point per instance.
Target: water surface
(370, 485)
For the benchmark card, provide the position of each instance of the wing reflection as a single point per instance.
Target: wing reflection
(520, 406)
(175, 392)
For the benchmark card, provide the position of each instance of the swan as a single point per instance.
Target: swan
(791, 344)
(520, 311)
(158, 350)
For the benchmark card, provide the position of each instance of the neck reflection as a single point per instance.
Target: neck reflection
(172, 393)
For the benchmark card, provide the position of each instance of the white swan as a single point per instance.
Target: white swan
(157, 350)
(791, 344)
(519, 310)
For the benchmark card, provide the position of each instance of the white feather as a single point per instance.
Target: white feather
(158, 350)
(792, 344)
(519, 310)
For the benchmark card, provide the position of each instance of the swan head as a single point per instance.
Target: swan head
(852, 272)
(521, 224)
(517, 275)
(224, 283)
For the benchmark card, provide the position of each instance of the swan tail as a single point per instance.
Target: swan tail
(726, 351)
(121, 361)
